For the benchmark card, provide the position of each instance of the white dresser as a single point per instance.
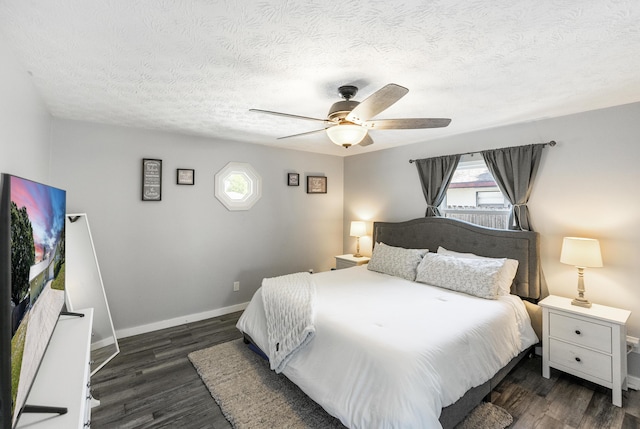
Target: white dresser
(589, 343)
(63, 379)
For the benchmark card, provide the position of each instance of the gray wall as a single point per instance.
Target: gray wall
(180, 256)
(587, 186)
(24, 122)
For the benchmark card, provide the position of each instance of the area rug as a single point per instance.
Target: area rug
(251, 396)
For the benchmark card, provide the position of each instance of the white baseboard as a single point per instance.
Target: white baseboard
(102, 343)
(633, 367)
(170, 323)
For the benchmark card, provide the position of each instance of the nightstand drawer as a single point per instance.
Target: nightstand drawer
(340, 264)
(580, 359)
(581, 332)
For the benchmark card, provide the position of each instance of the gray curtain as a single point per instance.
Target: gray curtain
(435, 176)
(514, 170)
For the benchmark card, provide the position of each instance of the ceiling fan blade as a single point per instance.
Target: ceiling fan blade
(376, 103)
(407, 123)
(366, 141)
(288, 115)
(302, 134)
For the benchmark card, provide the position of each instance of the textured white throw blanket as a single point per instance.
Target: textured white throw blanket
(289, 303)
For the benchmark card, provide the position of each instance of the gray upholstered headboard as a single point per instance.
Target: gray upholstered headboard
(459, 236)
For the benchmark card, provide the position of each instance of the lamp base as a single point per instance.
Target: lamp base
(357, 255)
(582, 302)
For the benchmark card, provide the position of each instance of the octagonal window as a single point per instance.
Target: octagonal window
(238, 186)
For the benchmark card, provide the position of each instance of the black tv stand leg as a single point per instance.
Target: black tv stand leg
(41, 409)
(70, 313)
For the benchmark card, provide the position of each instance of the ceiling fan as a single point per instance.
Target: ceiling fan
(348, 121)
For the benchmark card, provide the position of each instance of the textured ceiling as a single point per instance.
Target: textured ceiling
(196, 67)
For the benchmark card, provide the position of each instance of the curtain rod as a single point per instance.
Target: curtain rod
(551, 143)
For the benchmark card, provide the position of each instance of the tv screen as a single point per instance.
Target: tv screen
(32, 251)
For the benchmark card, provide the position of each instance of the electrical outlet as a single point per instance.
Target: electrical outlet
(236, 286)
(634, 343)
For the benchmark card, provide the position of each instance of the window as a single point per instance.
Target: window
(474, 196)
(238, 186)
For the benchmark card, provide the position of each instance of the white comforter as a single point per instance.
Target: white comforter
(391, 353)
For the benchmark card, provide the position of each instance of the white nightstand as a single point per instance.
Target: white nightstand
(346, 261)
(587, 342)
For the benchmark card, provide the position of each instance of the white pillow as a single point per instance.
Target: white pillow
(507, 273)
(477, 277)
(396, 261)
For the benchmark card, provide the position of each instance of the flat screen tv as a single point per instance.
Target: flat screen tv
(32, 286)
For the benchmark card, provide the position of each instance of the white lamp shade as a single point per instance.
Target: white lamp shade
(346, 134)
(358, 229)
(581, 252)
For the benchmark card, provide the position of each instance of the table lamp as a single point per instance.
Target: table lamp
(581, 253)
(358, 229)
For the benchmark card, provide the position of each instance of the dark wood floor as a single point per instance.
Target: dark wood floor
(152, 384)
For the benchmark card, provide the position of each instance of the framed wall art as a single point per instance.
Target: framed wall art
(151, 179)
(293, 179)
(185, 176)
(316, 185)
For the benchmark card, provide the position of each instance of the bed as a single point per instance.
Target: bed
(386, 350)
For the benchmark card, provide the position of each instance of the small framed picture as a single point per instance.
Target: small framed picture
(185, 176)
(151, 179)
(316, 185)
(293, 179)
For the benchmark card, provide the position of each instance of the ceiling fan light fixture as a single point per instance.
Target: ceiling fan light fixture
(348, 121)
(346, 135)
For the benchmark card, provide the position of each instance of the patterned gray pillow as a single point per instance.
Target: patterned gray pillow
(507, 272)
(396, 261)
(477, 277)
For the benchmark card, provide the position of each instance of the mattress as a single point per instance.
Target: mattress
(391, 353)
